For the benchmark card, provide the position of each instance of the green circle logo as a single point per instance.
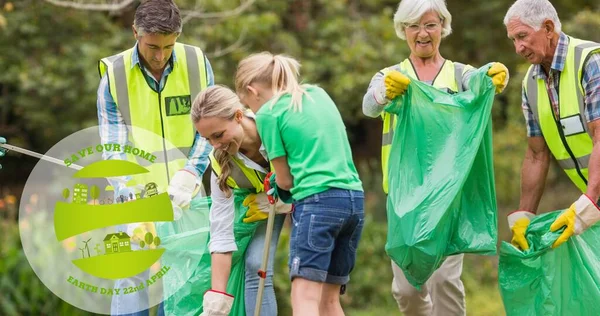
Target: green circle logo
(104, 233)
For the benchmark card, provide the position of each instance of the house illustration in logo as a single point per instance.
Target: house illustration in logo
(116, 243)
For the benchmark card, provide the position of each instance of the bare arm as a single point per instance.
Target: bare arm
(593, 188)
(282, 170)
(533, 173)
(220, 264)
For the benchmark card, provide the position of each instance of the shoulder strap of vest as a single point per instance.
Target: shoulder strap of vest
(459, 70)
(241, 176)
(531, 90)
(196, 68)
(114, 68)
(531, 86)
(580, 60)
(216, 167)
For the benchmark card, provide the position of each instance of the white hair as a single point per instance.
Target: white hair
(533, 13)
(411, 11)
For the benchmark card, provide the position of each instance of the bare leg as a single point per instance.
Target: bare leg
(330, 300)
(306, 297)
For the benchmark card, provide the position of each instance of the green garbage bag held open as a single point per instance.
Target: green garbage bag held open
(192, 242)
(442, 198)
(551, 282)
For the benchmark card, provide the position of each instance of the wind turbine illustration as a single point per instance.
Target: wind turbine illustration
(86, 247)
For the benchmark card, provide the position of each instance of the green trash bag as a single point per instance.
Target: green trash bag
(551, 282)
(188, 243)
(442, 198)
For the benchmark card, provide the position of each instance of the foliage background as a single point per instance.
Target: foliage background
(48, 88)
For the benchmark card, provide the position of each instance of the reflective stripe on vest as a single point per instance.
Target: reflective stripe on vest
(568, 137)
(164, 113)
(449, 77)
(241, 177)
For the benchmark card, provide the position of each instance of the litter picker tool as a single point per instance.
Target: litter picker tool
(39, 156)
(262, 273)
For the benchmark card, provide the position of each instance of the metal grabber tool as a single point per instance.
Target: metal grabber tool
(39, 156)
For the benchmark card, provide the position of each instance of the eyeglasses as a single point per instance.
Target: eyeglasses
(429, 27)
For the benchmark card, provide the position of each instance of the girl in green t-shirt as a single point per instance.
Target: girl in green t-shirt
(306, 142)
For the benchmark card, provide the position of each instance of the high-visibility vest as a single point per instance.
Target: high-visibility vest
(567, 137)
(242, 176)
(450, 77)
(165, 113)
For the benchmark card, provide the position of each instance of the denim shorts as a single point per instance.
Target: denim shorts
(325, 233)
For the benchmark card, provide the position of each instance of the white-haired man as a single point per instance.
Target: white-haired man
(561, 104)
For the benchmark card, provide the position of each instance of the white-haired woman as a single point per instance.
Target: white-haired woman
(423, 24)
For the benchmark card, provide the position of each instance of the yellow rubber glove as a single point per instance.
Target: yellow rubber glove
(567, 218)
(583, 214)
(518, 239)
(396, 84)
(499, 74)
(518, 221)
(254, 213)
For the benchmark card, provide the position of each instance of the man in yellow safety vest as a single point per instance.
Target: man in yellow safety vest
(148, 90)
(561, 104)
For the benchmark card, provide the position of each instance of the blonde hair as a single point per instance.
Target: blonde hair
(279, 72)
(218, 101)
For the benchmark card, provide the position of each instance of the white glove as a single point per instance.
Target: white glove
(576, 219)
(177, 212)
(586, 214)
(379, 93)
(216, 303)
(517, 215)
(263, 204)
(182, 187)
(518, 221)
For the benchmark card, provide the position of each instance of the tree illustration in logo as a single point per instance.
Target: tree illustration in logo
(94, 193)
(149, 239)
(65, 194)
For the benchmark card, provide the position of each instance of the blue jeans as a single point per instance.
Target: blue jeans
(123, 305)
(254, 255)
(326, 229)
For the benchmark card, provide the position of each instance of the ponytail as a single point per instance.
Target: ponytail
(224, 160)
(279, 72)
(285, 80)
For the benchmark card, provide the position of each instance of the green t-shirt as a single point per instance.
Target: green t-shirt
(314, 141)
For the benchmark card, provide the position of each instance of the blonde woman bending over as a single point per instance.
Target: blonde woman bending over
(239, 161)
